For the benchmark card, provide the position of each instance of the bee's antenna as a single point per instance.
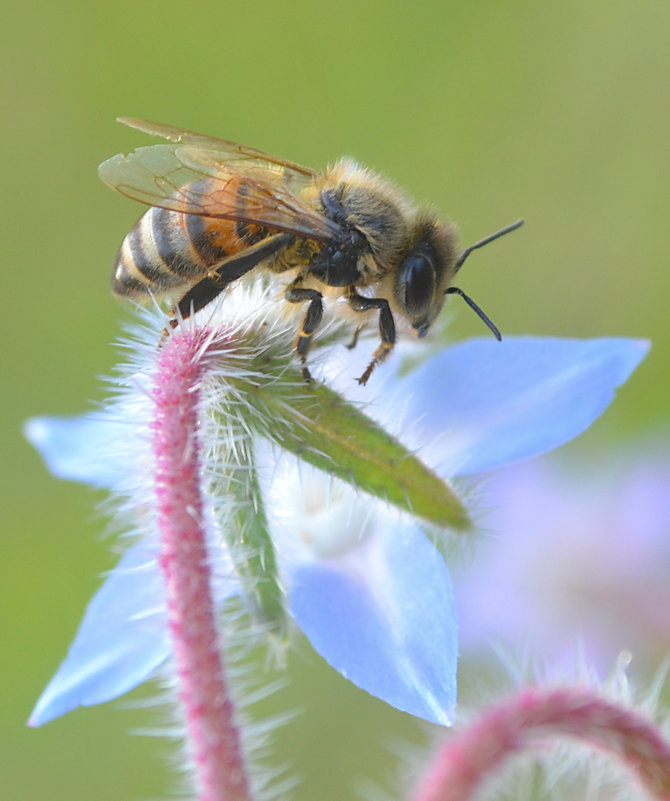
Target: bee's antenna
(456, 291)
(480, 244)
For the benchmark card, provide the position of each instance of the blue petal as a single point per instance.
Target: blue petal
(79, 448)
(122, 639)
(384, 617)
(124, 636)
(496, 403)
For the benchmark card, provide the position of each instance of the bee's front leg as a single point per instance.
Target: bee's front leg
(386, 328)
(354, 339)
(297, 294)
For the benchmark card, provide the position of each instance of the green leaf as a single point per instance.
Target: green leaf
(318, 425)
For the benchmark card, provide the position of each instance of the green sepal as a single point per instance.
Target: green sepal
(318, 425)
(247, 536)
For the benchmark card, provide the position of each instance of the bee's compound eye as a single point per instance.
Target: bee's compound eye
(416, 283)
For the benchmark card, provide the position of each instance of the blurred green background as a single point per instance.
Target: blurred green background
(558, 112)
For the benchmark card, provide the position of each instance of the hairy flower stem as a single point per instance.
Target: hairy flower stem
(212, 732)
(465, 762)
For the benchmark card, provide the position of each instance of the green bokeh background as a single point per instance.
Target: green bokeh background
(558, 112)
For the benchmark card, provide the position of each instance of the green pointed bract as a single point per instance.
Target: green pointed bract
(247, 535)
(318, 425)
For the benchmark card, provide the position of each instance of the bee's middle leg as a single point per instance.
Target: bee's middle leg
(312, 320)
(386, 328)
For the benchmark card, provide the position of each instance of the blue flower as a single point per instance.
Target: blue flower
(365, 583)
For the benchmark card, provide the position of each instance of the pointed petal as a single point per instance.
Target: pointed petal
(122, 639)
(124, 636)
(485, 404)
(78, 448)
(384, 617)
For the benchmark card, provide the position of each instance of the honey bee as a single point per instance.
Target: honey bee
(219, 210)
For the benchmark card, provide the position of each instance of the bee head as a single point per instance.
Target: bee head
(424, 275)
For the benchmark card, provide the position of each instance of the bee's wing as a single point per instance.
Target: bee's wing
(227, 151)
(204, 177)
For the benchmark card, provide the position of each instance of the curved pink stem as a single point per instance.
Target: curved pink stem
(463, 763)
(212, 732)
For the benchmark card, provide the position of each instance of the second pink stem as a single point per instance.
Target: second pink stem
(465, 762)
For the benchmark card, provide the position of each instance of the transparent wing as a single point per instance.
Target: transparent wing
(218, 179)
(226, 150)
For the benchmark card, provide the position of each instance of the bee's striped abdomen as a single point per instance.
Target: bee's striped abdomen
(167, 251)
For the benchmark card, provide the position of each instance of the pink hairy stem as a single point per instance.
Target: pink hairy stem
(212, 732)
(461, 766)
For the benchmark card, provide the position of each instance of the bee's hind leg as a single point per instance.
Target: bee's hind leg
(312, 320)
(386, 328)
(222, 275)
(196, 298)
